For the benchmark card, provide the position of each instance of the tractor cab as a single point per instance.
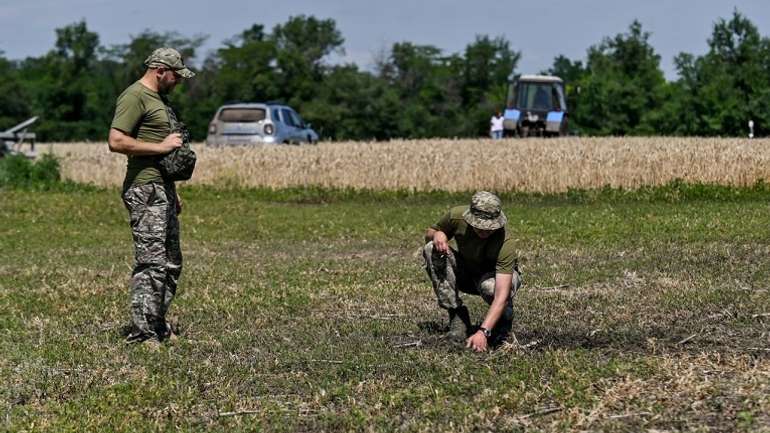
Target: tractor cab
(536, 106)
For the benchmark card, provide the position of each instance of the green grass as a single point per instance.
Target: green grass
(308, 310)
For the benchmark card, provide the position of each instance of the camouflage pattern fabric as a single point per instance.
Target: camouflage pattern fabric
(449, 280)
(158, 256)
(178, 164)
(168, 58)
(485, 212)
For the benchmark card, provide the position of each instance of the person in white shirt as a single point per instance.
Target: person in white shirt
(496, 126)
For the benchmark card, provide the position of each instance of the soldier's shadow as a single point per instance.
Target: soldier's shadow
(432, 327)
(570, 338)
(436, 334)
(627, 341)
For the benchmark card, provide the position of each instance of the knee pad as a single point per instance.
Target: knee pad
(487, 287)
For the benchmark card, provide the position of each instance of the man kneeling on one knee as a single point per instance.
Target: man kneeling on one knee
(483, 263)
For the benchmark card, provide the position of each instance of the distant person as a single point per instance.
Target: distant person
(483, 263)
(142, 130)
(496, 126)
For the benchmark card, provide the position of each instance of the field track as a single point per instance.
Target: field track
(531, 165)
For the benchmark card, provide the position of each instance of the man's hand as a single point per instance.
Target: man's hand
(477, 342)
(178, 204)
(171, 142)
(440, 242)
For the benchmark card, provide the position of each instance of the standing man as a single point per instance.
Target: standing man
(142, 130)
(496, 126)
(483, 263)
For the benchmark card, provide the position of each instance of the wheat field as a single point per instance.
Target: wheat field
(528, 165)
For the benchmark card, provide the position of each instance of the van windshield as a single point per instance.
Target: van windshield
(242, 115)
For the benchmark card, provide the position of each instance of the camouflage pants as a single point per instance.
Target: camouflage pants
(158, 256)
(449, 280)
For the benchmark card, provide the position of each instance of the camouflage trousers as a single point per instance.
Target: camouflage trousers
(158, 256)
(449, 279)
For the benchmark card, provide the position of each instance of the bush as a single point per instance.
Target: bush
(19, 171)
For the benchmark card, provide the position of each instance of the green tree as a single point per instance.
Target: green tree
(429, 88)
(354, 105)
(572, 72)
(486, 65)
(566, 69)
(66, 86)
(720, 91)
(243, 69)
(622, 87)
(14, 102)
(301, 44)
(679, 113)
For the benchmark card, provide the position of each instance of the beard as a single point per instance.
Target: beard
(165, 86)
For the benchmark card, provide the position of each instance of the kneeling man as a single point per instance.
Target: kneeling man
(484, 263)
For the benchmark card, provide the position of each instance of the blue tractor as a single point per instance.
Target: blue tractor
(536, 106)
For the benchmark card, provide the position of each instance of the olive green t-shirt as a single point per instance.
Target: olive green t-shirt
(493, 254)
(142, 114)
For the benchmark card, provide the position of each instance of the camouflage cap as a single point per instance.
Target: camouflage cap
(168, 58)
(485, 212)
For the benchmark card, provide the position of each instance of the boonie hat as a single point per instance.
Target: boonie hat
(169, 58)
(485, 212)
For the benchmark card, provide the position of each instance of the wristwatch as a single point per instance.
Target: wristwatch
(487, 333)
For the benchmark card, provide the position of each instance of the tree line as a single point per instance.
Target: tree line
(412, 91)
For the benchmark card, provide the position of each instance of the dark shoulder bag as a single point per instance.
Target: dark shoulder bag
(178, 164)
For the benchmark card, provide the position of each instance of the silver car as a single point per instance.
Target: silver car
(258, 123)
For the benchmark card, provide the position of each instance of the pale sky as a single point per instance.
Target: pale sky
(541, 30)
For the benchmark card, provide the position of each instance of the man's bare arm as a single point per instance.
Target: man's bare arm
(478, 341)
(502, 293)
(121, 142)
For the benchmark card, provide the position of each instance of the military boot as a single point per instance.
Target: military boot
(170, 332)
(128, 329)
(459, 323)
